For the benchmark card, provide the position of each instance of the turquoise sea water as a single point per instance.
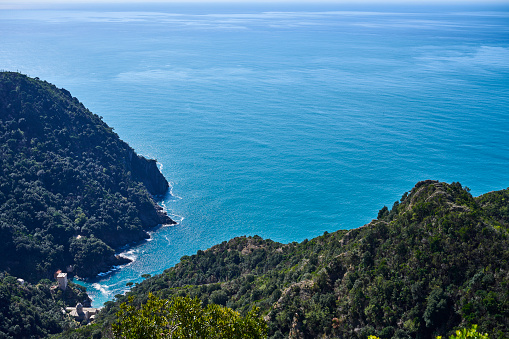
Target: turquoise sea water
(279, 121)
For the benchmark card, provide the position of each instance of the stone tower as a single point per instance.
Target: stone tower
(62, 280)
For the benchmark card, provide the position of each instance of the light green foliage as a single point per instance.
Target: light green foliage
(183, 317)
(468, 333)
(460, 334)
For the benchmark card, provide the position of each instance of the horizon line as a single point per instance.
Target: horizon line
(65, 4)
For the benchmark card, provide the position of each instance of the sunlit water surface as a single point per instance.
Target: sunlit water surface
(281, 122)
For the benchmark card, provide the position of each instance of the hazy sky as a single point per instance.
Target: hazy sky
(35, 4)
(407, 2)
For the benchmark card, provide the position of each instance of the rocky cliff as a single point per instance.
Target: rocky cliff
(146, 171)
(70, 190)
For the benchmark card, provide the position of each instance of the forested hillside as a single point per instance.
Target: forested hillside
(437, 260)
(35, 310)
(70, 190)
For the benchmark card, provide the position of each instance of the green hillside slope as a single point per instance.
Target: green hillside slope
(35, 310)
(435, 261)
(70, 190)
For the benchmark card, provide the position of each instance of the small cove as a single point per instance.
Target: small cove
(284, 124)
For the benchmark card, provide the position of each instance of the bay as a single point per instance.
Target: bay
(281, 121)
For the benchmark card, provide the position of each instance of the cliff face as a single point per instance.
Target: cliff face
(146, 171)
(70, 189)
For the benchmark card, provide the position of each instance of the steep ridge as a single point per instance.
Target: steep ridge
(70, 190)
(438, 259)
(146, 171)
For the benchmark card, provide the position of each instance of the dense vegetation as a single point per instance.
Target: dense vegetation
(70, 190)
(34, 311)
(183, 317)
(437, 260)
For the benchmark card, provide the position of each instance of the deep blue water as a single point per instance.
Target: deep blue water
(283, 122)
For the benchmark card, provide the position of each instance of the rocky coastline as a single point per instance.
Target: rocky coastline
(72, 191)
(152, 217)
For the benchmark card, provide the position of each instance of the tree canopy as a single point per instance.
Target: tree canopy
(70, 190)
(183, 317)
(437, 261)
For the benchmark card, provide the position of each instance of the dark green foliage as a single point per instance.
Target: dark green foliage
(89, 252)
(436, 308)
(71, 191)
(64, 173)
(91, 331)
(35, 311)
(438, 260)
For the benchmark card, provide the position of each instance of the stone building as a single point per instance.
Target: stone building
(81, 313)
(62, 281)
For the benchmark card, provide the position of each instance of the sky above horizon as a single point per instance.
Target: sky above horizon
(61, 4)
(403, 2)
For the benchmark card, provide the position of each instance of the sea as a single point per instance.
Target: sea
(279, 120)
